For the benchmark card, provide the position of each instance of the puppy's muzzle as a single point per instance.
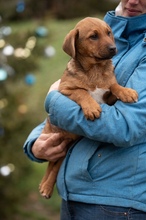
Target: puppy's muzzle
(112, 50)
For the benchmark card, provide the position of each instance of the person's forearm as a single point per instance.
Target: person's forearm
(116, 125)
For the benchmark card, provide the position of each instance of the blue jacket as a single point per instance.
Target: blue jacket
(108, 165)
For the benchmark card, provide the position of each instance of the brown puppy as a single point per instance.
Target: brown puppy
(88, 80)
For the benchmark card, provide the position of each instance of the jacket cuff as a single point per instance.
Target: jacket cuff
(27, 150)
(51, 99)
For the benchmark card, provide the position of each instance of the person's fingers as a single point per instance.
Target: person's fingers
(56, 157)
(50, 146)
(57, 152)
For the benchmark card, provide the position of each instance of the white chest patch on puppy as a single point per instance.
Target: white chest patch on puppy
(97, 94)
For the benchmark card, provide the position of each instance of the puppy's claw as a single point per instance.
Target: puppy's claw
(92, 114)
(46, 195)
(128, 95)
(45, 191)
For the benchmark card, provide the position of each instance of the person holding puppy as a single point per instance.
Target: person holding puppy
(103, 175)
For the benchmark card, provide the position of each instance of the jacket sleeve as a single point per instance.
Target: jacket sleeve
(30, 141)
(122, 124)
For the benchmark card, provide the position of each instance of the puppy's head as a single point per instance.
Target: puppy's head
(90, 38)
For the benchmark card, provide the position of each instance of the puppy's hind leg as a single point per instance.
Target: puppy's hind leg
(49, 180)
(45, 177)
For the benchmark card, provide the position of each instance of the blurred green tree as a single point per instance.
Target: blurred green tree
(69, 9)
(59, 8)
(19, 54)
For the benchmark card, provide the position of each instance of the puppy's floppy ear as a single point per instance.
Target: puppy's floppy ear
(69, 43)
(111, 32)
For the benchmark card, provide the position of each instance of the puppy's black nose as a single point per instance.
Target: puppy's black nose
(112, 49)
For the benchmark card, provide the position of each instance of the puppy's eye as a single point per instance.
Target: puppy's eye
(109, 33)
(94, 36)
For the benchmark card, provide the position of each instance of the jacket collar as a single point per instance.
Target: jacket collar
(126, 25)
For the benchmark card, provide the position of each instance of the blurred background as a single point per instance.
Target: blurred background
(31, 59)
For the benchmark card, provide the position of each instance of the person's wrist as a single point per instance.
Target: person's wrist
(31, 153)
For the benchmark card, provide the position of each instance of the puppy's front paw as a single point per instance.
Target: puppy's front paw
(128, 95)
(92, 112)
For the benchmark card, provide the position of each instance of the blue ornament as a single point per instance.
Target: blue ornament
(41, 31)
(3, 74)
(30, 79)
(20, 7)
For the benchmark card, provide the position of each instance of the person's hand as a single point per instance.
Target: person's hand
(50, 147)
(55, 86)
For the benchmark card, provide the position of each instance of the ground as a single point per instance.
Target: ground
(34, 208)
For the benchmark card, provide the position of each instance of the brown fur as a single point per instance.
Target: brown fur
(91, 46)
